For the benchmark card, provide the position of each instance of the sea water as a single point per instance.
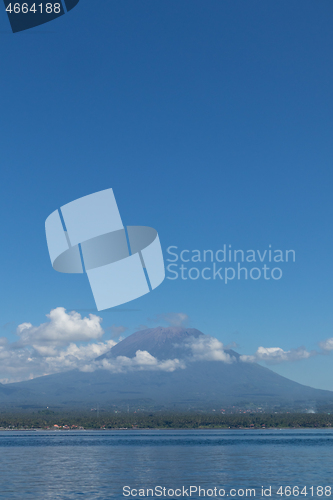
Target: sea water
(100, 465)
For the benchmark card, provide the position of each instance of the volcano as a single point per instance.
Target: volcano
(162, 343)
(218, 379)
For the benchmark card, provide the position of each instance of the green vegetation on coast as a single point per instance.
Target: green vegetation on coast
(47, 419)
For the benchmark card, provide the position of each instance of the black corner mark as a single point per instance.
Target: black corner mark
(26, 14)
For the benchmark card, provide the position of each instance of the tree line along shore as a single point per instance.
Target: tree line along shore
(50, 420)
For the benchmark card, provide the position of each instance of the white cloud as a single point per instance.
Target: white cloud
(27, 362)
(205, 348)
(52, 348)
(326, 345)
(68, 341)
(77, 356)
(275, 355)
(62, 328)
(141, 361)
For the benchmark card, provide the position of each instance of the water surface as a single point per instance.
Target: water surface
(96, 465)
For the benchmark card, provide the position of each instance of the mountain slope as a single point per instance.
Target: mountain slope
(201, 385)
(162, 343)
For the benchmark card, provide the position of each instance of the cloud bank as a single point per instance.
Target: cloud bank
(141, 361)
(52, 346)
(62, 328)
(22, 363)
(276, 355)
(68, 341)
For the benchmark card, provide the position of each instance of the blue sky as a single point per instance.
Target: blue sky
(212, 122)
